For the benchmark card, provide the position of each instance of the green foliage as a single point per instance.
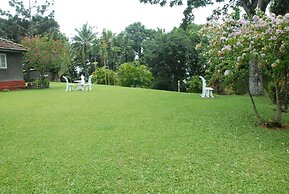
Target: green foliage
(107, 51)
(136, 34)
(195, 85)
(102, 75)
(124, 140)
(233, 44)
(83, 43)
(22, 23)
(134, 75)
(172, 57)
(233, 83)
(188, 12)
(128, 45)
(44, 54)
(279, 7)
(216, 82)
(38, 84)
(125, 52)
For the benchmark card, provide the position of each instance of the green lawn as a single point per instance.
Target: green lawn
(128, 140)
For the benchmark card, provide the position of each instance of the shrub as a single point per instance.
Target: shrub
(102, 75)
(134, 75)
(38, 84)
(195, 85)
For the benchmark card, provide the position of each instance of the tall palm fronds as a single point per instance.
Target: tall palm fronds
(105, 49)
(83, 42)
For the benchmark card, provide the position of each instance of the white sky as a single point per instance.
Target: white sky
(115, 15)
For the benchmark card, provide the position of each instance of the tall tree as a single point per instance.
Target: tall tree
(280, 7)
(124, 44)
(37, 19)
(45, 54)
(106, 50)
(255, 75)
(172, 57)
(137, 34)
(264, 38)
(248, 5)
(82, 43)
(106, 47)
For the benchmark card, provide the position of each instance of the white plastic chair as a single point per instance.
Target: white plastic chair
(88, 85)
(81, 83)
(207, 92)
(69, 86)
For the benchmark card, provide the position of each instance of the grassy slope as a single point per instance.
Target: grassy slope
(117, 139)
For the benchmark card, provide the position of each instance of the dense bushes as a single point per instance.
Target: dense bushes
(134, 75)
(102, 75)
(195, 85)
(38, 84)
(128, 74)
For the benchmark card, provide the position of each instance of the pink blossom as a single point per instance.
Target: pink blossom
(272, 17)
(236, 33)
(279, 31)
(269, 31)
(273, 38)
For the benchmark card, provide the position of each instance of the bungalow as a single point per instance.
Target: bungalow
(11, 68)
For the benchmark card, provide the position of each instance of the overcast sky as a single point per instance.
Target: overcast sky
(115, 15)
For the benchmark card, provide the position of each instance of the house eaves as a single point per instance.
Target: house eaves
(9, 46)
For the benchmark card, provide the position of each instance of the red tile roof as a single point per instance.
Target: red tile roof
(8, 45)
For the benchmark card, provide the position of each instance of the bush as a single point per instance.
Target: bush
(101, 73)
(217, 83)
(134, 75)
(38, 84)
(195, 85)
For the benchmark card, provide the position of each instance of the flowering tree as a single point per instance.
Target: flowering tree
(44, 54)
(233, 44)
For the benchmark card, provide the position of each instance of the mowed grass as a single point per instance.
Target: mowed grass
(129, 140)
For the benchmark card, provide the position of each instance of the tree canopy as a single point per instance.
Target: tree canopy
(38, 19)
(82, 43)
(234, 43)
(45, 54)
(172, 57)
(279, 7)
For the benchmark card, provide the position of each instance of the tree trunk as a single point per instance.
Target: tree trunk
(250, 6)
(286, 91)
(57, 77)
(255, 79)
(262, 4)
(278, 112)
(259, 120)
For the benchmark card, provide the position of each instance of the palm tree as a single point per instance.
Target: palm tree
(83, 42)
(105, 49)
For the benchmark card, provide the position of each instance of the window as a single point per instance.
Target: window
(3, 61)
